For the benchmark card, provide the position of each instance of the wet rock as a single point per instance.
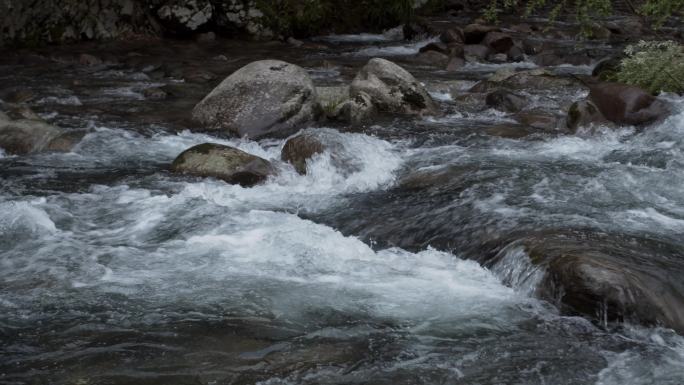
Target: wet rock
(299, 149)
(184, 16)
(583, 114)
(475, 33)
(505, 101)
(455, 63)
(607, 68)
(530, 79)
(522, 28)
(625, 104)
(539, 120)
(499, 42)
(264, 98)
(392, 89)
(154, 93)
(198, 75)
(19, 111)
(27, 136)
(223, 162)
(598, 32)
(433, 58)
(305, 145)
(610, 277)
(17, 95)
(516, 54)
(294, 42)
(532, 46)
(357, 110)
(475, 52)
(452, 35)
(509, 131)
(437, 47)
(547, 59)
(337, 105)
(89, 60)
(627, 26)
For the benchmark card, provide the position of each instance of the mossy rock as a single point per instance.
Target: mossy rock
(223, 162)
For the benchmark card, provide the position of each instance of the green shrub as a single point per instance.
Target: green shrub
(654, 66)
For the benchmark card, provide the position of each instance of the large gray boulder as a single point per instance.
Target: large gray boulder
(268, 98)
(28, 136)
(392, 89)
(223, 162)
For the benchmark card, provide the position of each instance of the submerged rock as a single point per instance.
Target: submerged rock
(583, 114)
(610, 277)
(265, 98)
(625, 104)
(299, 149)
(28, 136)
(392, 89)
(302, 147)
(505, 101)
(223, 162)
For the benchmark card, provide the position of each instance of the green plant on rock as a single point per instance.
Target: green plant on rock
(655, 66)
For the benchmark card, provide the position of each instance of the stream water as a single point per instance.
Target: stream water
(114, 271)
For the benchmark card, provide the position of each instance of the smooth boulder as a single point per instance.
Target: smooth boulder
(223, 162)
(268, 98)
(392, 89)
(625, 104)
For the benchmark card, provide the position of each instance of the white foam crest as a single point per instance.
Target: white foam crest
(516, 270)
(358, 38)
(358, 163)
(492, 67)
(663, 365)
(25, 216)
(393, 50)
(62, 100)
(315, 266)
(123, 92)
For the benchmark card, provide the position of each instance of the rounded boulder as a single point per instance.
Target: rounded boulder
(268, 98)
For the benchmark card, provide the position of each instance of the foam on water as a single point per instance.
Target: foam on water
(393, 50)
(664, 365)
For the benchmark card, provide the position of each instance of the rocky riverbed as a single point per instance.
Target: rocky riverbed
(467, 206)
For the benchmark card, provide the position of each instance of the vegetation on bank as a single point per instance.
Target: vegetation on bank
(654, 66)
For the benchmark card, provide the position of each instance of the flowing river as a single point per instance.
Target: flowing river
(367, 271)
